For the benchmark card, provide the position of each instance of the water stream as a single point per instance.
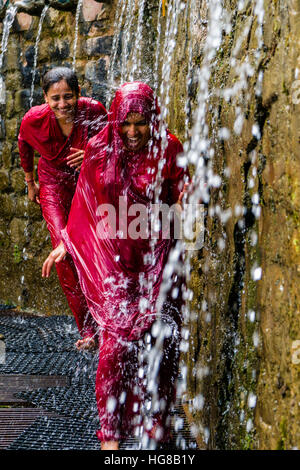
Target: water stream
(10, 15)
(36, 49)
(78, 10)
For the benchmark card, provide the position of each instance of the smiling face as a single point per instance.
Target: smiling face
(135, 132)
(62, 100)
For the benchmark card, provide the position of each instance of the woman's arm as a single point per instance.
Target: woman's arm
(33, 187)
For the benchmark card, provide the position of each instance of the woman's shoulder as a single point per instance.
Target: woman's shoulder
(36, 113)
(173, 140)
(174, 145)
(90, 103)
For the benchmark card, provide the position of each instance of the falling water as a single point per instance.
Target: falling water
(157, 52)
(117, 29)
(7, 24)
(36, 47)
(135, 72)
(78, 9)
(126, 39)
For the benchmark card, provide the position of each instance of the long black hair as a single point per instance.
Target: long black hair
(57, 74)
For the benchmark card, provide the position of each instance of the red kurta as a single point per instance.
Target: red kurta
(120, 285)
(41, 132)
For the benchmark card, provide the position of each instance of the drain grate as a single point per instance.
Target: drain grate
(43, 370)
(11, 384)
(14, 421)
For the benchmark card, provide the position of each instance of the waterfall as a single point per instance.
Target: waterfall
(117, 29)
(7, 24)
(135, 73)
(126, 37)
(36, 47)
(78, 9)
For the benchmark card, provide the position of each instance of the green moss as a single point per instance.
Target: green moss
(281, 445)
(17, 254)
(285, 89)
(296, 244)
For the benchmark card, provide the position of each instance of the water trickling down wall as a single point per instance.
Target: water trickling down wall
(227, 73)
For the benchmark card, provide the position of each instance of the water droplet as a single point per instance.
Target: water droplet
(256, 273)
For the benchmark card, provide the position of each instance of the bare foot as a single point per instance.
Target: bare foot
(86, 344)
(110, 445)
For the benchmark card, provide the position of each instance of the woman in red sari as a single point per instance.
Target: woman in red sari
(59, 131)
(119, 266)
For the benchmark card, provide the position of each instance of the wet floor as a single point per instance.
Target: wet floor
(47, 399)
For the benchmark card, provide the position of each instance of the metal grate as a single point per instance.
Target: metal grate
(14, 421)
(11, 384)
(44, 370)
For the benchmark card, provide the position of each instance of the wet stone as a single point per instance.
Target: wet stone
(60, 50)
(11, 128)
(92, 10)
(4, 240)
(24, 21)
(13, 81)
(22, 99)
(24, 206)
(4, 180)
(6, 154)
(97, 46)
(29, 55)
(18, 231)
(96, 71)
(17, 180)
(99, 91)
(7, 204)
(12, 56)
(38, 235)
(27, 76)
(9, 104)
(2, 128)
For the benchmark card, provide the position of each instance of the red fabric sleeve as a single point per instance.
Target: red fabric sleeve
(26, 151)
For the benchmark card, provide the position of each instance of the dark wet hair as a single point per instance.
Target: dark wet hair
(57, 74)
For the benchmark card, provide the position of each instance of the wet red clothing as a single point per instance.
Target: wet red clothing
(120, 285)
(40, 132)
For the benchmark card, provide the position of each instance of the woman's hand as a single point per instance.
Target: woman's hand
(33, 192)
(75, 159)
(55, 256)
(180, 197)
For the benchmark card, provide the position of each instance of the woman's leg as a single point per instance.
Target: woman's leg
(164, 394)
(116, 390)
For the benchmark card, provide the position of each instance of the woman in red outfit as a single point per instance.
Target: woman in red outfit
(120, 268)
(59, 131)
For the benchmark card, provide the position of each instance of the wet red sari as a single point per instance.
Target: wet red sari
(121, 287)
(40, 132)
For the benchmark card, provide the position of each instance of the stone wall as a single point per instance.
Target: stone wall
(24, 239)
